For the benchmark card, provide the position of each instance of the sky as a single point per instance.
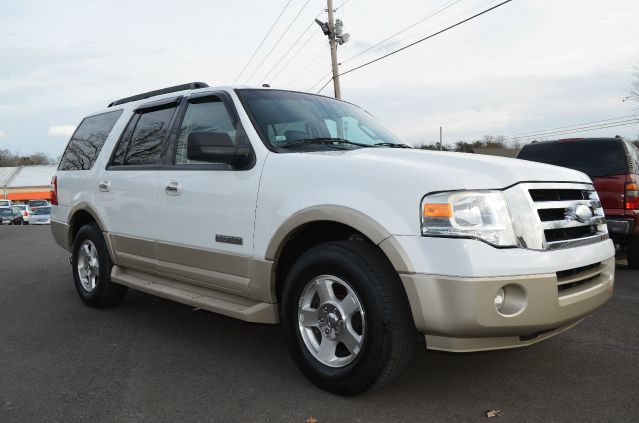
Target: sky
(527, 66)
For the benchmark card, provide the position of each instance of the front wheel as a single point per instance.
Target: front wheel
(346, 318)
(92, 269)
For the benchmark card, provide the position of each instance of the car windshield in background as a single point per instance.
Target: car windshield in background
(6, 212)
(593, 157)
(43, 210)
(292, 121)
(38, 203)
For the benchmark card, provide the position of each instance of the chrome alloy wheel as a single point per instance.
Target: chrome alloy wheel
(88, 265)
(331, 321)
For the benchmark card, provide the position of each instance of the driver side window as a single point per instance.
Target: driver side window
(203, 115)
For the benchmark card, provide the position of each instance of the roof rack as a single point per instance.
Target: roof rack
(189, 86)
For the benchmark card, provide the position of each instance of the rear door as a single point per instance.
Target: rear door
(128, 187)
(208, 209)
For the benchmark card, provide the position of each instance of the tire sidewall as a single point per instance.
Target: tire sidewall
(92, 233)
(360, 374)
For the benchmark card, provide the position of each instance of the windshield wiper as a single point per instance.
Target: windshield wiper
(390, 144)
(322, 141)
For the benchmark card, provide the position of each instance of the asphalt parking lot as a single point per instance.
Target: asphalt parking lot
(152, 360)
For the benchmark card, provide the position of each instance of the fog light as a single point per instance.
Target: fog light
(499, 299)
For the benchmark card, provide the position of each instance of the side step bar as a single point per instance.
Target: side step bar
(195, 296)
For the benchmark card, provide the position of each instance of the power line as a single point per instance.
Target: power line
(317, 56)
(290, 49)
(430, 15)
(423, 39)
(278, 41)
(540, 132)
(576, 130)
(320, 81)
(262, 42)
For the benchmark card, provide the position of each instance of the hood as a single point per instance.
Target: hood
(468, 171)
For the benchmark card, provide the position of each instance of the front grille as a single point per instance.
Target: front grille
(569, 216)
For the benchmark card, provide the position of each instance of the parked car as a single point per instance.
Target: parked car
(11, 216)
(6, 203)
(613, 165)
(41, 216)
(284, 207)
(26, 211)
(34, 204)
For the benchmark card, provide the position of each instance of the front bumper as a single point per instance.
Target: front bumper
(451, 286)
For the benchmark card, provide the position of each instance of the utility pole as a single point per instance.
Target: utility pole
(333, 43)
(333, 29)
(440, 139)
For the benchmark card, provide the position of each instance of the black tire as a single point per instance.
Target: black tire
(389, 341)
(632, 252)
(105, 293)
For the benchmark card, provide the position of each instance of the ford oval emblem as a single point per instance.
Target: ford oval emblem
(581, 213)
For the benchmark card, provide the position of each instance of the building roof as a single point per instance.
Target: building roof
(6, 173)
(27, 176)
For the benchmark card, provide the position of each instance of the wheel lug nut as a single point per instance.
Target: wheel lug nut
(326, 331)
(325, 308)
(321, 320)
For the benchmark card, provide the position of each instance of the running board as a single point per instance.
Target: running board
(207, 299)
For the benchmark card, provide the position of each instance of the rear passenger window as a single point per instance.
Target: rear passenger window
(87, 141)
(147, 140)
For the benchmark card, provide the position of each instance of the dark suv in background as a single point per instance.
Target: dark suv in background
(612, 164)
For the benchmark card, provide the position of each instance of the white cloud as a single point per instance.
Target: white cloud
(3, 134)
(61, 130)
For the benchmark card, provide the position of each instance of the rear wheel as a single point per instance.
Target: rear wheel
(632, 252)
(92, 269)
(346, 318)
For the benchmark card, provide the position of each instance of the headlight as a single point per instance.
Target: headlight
(468, 214)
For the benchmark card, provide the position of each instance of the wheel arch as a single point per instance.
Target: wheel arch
(327, 223)
(81, 214)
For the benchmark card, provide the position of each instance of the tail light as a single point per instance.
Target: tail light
(24, 213)
(632, 196)
(54, 191)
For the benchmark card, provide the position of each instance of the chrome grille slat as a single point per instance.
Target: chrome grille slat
(561, 224)
(565, 204)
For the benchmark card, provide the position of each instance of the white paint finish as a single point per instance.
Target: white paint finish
(211, 202)
(385, 184)
(473, 258)
(130, 207)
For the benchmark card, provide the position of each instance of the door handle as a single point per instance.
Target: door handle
(104, 185)
(173, 188)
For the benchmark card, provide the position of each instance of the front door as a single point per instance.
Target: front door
(208, 209)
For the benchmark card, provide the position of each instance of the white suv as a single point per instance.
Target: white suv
(284, 207)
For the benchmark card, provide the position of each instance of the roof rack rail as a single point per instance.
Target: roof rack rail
(189, 86)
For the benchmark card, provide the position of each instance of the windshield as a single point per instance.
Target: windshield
(284, 118)
(38, 203)
(43, 210)
(4, 203)
(6, 212)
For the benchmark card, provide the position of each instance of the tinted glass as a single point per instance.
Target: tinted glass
(38, 203)
(593, 157)
(43, 210)
(147, 140)
(4, 203)
(87, 141)
(284, 116)
(203, 116)
(6, 212)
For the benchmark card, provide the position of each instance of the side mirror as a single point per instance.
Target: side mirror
(216, 147)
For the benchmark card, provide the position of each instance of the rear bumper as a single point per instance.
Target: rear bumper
(458, 313)
(620, 228)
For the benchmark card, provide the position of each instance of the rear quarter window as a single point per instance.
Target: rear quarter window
(87, 141)
(593, 157)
